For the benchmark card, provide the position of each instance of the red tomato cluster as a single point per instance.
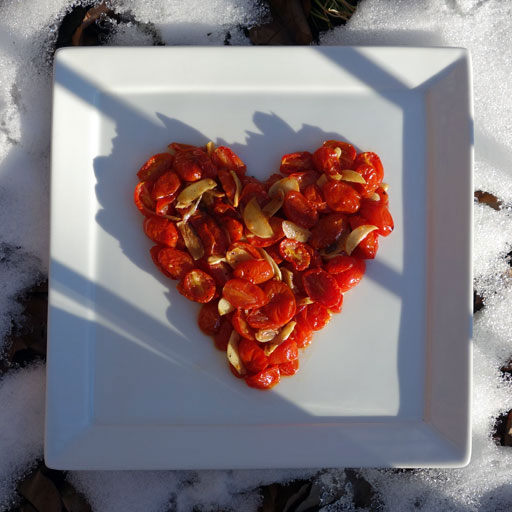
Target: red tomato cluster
(268, 279)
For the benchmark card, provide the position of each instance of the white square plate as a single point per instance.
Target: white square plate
(133, 383)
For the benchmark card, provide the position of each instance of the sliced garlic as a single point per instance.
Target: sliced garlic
(275, 267)
(285, 184)
(170, 217)
(256, 221)
(224, 307)
(384, 186)
(322, 180)
(191, 209)
(338, 151)
(236, 255)
(295, 232)
(288, 278)
(195, 190)
(233, 355)
(266, 335)
(215, 260)
(305, 301)
(274, 205)
(210, 148)
(238, 188)
(374, 197)
(192, 241)
(337, 249)
(357, 236)
(281, 337)
(352, 176)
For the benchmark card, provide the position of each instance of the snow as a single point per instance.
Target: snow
(483, 26)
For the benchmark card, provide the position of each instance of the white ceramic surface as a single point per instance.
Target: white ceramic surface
(133, 383)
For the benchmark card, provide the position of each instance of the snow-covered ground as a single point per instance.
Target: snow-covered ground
(27, 30)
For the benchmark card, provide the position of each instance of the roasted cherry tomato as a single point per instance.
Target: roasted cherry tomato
(350, 277)
(252, 189)
(321, 287)
(372, 159)
(341, 197)
(209, 319)
(252, 355)
(265, 379)
(221, 271)
(368, 246)
(302, 334)
(165, 206)
(161, 230)
(233, 227)
(142, 198)
(305, 178)
(243, 294)
(370, 175)
(327, 231)
(276, 224)
(348, 152)
(295, 253)
(340, 263)
(228, 183)
(284, 353)
(255, 271)
(156, 166)
(239, 321)
(377, 213)
(197, 285)
(166, 185)
(290, 368)
(299, 210)
(214, 239)
(295, 162)
(325, 159)
(317, 316)
(193, 165)
(154, 251)
(222, 337)
(225, 158)
(314, 195)
(175, 263)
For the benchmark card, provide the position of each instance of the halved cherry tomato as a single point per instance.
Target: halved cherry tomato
(305, 178)
(154, 251)
(327, 231)
(221, 272)
(209, 319)
(296, 253)
(314, 195)
(370, 175)
(228, 183)
(377, 213)
(175, 263)
(165, 206)
(197, 285)
(368, 247)
(384, 197)
(252, 189)
(321, 287)
(252, 355)
(295, 162)
(142, 198)
(341, 197)
(289, 368)
(340, 263)
(326, 160)
(225, 158)
(222, 337)
(155, 166)
(265, 379)
(302, 334)
(281, 305)
(193, 165)
(239, 321)
(317, 316)
(161, 230)
(277, 227)
(369, 158)
(352, 276)
(175, 147)
(339, 306)
(214, 239)
(284, 353)
(273, 252)
(243, 294)
(314, 256)
(166, 185)
(299, 210)
(233, 227)
(255, 271)
(348, 152)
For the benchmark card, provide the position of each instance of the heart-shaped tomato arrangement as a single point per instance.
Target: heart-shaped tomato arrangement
(269, 261)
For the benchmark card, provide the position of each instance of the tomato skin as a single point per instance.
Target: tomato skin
(233, 227)
(243, 294)
(352, 276)
(284, 353)
(327, 231)
(281, 304)
(228, 183)
(225, 158)
(155, 166)
(340, 263)
(266, 379)
(166, 185)
(214, 239)
(305, 179)
(221, 339)
(154, 251)
(299, 210)
(252, 355)
(326, 160)
(241, 326)
(302, 335)
(241, 251)
(314, 195)
(338, 308)
(289, 368)
(255, 271)
(197, 286)
(377, 214)
(142, 198)
(174, 263)
(370, 158)
(317, 316)
(187, 165)
(161, 230)
(273, 252)
(221, 272)
(209, 319)
(277, 227)
(341, 197)
(295, 253)
(321, 287)
(348, 152)
(296, 162)
(252, 189)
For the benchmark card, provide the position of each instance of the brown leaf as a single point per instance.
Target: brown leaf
(73, 501)
(489, 199)
(40, 492)
(478, 302)
(83, 36)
